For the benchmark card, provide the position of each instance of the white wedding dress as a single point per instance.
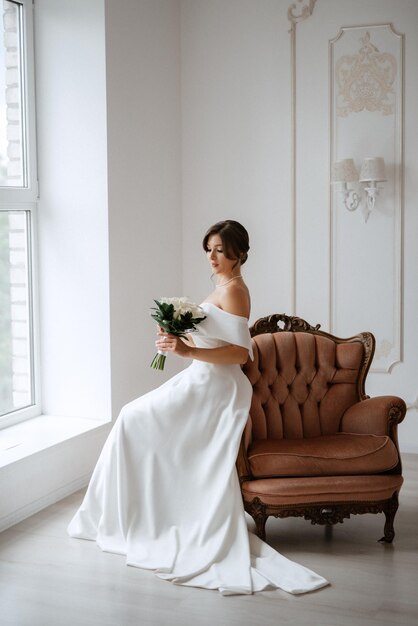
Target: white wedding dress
(165, 491)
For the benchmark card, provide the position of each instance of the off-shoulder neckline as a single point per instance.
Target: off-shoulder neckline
(226, 312)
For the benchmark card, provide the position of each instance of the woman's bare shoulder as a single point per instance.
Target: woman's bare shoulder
(236, 300)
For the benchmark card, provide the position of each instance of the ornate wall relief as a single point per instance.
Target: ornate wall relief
(366, 109)
(365, 80)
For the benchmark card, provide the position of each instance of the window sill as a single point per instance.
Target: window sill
(40, 433)
(45, 459)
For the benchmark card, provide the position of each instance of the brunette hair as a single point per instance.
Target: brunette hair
(235, 240)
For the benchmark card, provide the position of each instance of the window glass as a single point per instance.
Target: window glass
(16, 370)
(12, 141)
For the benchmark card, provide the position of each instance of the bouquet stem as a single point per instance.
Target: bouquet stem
(158, 361)
(175, 316)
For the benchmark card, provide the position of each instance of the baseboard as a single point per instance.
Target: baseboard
(39, 504)
(34, 482)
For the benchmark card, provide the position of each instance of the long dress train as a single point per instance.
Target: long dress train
(165, 491)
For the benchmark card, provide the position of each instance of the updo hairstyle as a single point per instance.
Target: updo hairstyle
(235, 240)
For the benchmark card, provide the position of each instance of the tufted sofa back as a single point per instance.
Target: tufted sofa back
(302, 384)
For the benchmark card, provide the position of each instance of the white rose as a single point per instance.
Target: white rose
(182, 306)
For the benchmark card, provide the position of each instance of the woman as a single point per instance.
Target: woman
(165, 492)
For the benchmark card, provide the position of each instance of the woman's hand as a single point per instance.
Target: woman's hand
(170, 343)
(224, 355)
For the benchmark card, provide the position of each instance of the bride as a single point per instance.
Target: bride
(165, 491)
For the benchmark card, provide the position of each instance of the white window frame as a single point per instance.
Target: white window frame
(25, 199)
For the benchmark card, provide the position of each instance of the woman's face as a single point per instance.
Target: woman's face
(218, 261)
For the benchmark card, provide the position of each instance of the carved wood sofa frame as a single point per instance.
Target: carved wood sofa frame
(324, 513)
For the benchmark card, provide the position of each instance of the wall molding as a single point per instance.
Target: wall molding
(412, 406)
(383, 106)
(37, 505)
(297, 12)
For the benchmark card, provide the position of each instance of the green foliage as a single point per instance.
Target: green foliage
(164, 316)
(179, 325)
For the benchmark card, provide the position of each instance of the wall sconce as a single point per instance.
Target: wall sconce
(372, 172)
(344, 172)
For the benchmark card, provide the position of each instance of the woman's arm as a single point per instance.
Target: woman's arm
(224, 355)
(232, 300)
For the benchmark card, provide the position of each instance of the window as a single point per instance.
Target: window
(19, 397)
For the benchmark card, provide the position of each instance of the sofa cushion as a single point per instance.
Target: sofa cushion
(339, 454)
(320, 489)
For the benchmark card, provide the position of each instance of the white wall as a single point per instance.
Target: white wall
(157, 118)
(109, 231)
(72, 224)
(372, 241)
(197, 114)
(143, 127)
(108, 107)
(39, 467)
(236, 127)
(236, 140)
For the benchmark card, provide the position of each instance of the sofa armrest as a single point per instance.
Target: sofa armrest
(248, 433)
(243, 467)
(374, 416)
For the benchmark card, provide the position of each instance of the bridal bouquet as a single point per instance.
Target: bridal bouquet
(177, 316)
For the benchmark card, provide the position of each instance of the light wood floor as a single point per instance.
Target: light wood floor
(49, 579)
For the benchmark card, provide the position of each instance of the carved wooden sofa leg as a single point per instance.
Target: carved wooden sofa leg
(390, 512)
(257, 510)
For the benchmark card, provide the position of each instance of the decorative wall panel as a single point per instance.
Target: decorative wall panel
(296, 13)
(366, 109)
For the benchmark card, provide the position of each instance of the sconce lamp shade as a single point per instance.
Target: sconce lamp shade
(373, 170)
(344, 171)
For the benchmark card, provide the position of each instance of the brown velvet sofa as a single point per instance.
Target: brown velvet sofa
(315, 445)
